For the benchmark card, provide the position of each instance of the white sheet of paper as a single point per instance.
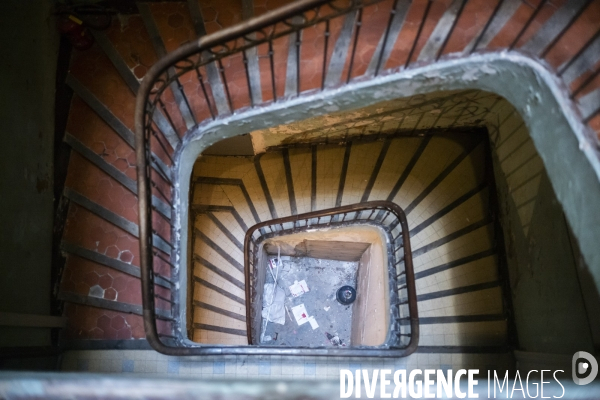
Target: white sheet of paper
(299, 288)
(276, 310)
(313, 323)
(303, 285)
(300, 314)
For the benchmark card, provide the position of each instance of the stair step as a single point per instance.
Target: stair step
(116, 264)
(215, 288)
(484, 334)
(219, 338)
(221, 329)
(218, 271)
(90, 322)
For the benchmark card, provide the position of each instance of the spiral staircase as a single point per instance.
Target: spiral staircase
(436, 155)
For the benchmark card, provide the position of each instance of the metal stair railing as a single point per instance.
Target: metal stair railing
(156, 133)
(385, 215)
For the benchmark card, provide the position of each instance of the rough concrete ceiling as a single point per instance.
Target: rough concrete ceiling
(421, 113)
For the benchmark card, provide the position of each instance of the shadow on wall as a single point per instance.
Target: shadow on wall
(549, 304)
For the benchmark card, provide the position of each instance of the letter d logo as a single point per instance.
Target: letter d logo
(585, 368)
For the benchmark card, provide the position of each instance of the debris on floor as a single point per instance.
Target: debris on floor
(299, 288)
(275, 311)
(334, 339)
(346, 295)
(310, 287)
(300, 314)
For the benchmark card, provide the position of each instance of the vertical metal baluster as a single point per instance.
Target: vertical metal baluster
(487, 25)
(370, 215)
(387, 214)
(163, 299)
(222, 71)
(157, 254)
(356, 32)
(271, 54)
(155, 186)
(529, 21)
(200, 79)
(325, 46)
(185, 99)
(159, 170)
(298, 42)
(385, 37)
(170, 282)
(162, 146)
(460, 10)
(151, 111)
(414, 45)
(164, 109)
(168, 242)
(248, 78)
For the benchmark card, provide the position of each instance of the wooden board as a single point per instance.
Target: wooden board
(325, 249)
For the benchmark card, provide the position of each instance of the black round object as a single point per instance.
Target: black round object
(346, 295)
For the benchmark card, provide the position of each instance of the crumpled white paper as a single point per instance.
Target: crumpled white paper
(277, 313)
